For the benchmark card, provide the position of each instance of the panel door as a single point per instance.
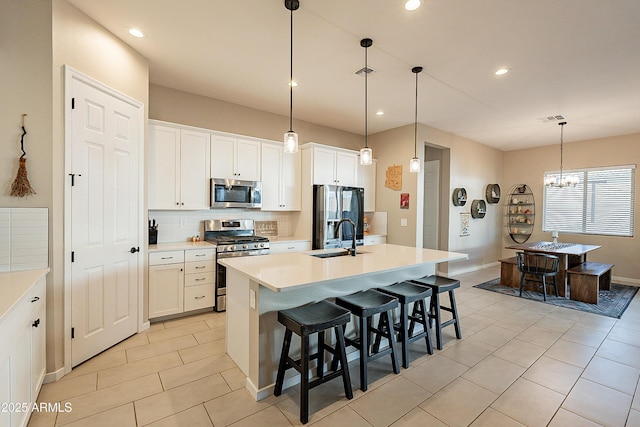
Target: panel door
(291, 184)
(222, 157)
(105, 218)
(164, 167)
(367, 180)
(166, 287)
(38, 359)
(194, 170)
(247, 160)
(346, 169)
(271, 176)
(324, 166)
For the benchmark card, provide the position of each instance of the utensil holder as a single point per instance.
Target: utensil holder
(153, 236)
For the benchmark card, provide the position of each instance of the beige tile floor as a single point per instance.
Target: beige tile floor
(519, 363)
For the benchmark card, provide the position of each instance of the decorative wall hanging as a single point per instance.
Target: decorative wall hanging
(465, 220)
(459, 196)
(478, 208)
(492, 193)
(21, 186)
(404, 201)
(394, 178)
(521, 212)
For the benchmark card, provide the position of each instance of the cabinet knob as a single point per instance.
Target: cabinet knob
(35, 299)
(36, 323)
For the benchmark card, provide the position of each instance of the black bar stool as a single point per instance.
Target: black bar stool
(408, 293)
(364, 305)
(304, 321)
(439, 285)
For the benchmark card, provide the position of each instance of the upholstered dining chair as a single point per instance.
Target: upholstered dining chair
(539, 265)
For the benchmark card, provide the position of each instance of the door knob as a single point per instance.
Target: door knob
(134, 250)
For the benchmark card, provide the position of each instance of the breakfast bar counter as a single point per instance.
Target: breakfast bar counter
(257, 287)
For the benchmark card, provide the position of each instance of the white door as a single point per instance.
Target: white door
(105, 139)
(271, 186)
(247, 160)
(431, 204)
(194, 170)
(222, 157)
(164, 167)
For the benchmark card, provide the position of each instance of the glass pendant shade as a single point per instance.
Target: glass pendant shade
(414, 165)
(366, 156)
(290, 142)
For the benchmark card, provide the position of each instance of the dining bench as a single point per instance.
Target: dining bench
(587, 279)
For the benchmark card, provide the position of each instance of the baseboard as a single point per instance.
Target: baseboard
(51, 377)
(625, 281)
(469, 269)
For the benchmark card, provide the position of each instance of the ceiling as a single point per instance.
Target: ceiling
(576, 58)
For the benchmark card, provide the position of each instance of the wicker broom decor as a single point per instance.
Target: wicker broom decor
(21, 186)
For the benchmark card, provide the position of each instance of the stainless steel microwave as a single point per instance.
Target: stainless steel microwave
(233, 193)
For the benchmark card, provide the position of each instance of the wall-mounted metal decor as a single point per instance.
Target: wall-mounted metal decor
(521, 209)
(492, 193)
(478, 208)
(459, 196)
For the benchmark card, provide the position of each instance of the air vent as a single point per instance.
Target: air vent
(367, 70)
(558, 118)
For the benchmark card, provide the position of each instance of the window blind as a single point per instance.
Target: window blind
(601, 203)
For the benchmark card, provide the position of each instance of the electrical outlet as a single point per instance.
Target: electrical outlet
(252, 299)
(403, 222)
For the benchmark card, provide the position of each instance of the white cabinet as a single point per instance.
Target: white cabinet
(235, 158)
(281, 185)
(22, 355)
(178, 168)
(374, 240)
(334, 166)
(181, 281)
(289, 246)
(367, 180)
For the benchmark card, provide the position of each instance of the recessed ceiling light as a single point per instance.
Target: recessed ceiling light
(412, 4)
(136, 33)
(293, 83)
(502, 71)
(379, 113)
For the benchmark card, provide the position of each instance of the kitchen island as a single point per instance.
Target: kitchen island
(257, 287)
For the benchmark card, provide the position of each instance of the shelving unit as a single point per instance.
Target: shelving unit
(521, 212)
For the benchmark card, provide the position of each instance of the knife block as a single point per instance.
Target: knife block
(153, 236)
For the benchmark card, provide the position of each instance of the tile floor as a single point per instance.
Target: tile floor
(519, 363)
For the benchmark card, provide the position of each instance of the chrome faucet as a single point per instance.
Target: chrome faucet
(351, 251)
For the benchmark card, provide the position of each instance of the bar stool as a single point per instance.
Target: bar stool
(365, 305)
(305, 321)
(408, 293)
(438, 285)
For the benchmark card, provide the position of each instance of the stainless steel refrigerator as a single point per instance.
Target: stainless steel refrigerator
(331, 203)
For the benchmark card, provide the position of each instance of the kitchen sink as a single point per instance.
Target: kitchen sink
(336, 254)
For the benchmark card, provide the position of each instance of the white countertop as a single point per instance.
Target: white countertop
(180, 246)
(14, 284)
(282, 272)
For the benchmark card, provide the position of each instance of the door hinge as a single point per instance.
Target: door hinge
(73, 256)
(73, 103)
(73, 333)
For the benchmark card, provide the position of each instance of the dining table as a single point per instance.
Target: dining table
(569, 254)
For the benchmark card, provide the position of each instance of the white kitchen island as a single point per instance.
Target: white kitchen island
(259, 286)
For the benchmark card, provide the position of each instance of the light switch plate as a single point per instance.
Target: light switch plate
(403, 222)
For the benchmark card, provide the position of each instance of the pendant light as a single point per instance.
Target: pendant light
(366, 155)
(562, 181)
(414, 164)
(290, 137)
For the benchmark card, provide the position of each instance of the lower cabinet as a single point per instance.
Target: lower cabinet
(181, 281)
(22, 356)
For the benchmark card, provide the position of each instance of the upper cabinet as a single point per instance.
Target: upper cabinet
(281, 184)
(235, 158)
(178, 167)
(367, 180)
(334, 166)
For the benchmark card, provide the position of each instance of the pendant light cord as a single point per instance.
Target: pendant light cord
(415, 124)
(366, 103)
(561, 146)
(291, 78)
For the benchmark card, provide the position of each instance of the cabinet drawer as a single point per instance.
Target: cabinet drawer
(293, 246)
(200, 255)
(374, 240)
(199, 279)
(199, 267)
(168, 257)
(196, 297)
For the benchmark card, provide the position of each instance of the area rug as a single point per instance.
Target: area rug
(611, 303)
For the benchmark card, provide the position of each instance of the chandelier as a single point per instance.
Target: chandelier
(562, 180)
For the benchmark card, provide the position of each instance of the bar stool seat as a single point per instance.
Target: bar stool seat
(408, 293)
(365, 305)
(304, 321)
(440, 284)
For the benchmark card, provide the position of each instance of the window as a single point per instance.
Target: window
(601, 203)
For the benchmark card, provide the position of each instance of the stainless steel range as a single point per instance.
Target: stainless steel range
(233, 238)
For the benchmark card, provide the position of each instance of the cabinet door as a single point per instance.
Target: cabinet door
(166, 289)
(271, 176)
(367, 180)
(324, 166)
(194, 170)
(291, 182)
(222, 157)
(164, 166)
(20, 373)
(5, 385)
(38, 362)
(247, 160)
(346, 168)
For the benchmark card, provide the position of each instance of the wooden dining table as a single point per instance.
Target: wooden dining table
(569, 254)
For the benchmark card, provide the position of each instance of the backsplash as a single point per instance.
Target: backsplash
(24, 238)
(180, 226)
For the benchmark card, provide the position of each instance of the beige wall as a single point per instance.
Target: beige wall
(528, 166)
(175, 106)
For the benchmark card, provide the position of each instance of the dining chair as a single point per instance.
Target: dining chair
(540, 265)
